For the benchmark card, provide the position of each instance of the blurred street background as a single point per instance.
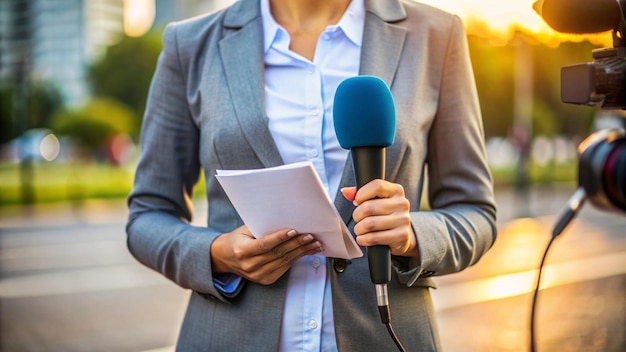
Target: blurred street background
(67, 283)
(74, 76)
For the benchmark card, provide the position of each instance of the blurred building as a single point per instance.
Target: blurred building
(56, 40)
(168, 10)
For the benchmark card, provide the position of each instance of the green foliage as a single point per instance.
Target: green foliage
(565, 119)
(54, 182)
(125, 72)
(91, 124)
(494, 69)
(27, 106)
(59, 182)
(7, 123)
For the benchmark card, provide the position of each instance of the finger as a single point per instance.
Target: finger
(382, 223)
(276, 266)
(286, 248)
(397, 239)
(381, 207)
(349, 193)
(286, 252)
(288, 258)
(268, 242)
(378, 189)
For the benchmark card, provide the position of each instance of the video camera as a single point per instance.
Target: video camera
(601, 83)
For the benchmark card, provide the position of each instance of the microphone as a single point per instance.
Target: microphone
(580, 16)
(365, 122)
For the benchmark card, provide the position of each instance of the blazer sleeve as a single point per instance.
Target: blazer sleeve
(159, 234)
(460, 227)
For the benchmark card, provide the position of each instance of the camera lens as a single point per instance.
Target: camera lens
(602, 169)
(615, 174)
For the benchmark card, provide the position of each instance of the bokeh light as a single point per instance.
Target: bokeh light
(49, 147)
(138, 17)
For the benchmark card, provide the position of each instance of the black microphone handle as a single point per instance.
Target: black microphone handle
(369, 164)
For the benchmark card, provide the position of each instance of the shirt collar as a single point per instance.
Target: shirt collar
(351, 23)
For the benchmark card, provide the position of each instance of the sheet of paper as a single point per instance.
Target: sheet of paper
(288, 196)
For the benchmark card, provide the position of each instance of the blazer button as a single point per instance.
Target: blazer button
(340, 265)
(426, 273)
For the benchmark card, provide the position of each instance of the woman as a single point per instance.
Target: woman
(252, 86)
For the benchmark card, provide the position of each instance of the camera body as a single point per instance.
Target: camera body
(602, 82)
(599, 83)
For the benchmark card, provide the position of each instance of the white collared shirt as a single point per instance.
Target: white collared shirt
(299, 96)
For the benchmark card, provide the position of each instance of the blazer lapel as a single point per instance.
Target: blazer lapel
(242, 56)
(382, 41)
(380, 55)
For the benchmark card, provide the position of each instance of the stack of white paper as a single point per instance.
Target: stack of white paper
(288, 197)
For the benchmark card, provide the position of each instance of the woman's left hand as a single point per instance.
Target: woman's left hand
(382, 217)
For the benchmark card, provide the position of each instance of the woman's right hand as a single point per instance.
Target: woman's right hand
(262, 260)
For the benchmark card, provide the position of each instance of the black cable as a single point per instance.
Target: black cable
(395, 338)
(573, 206)
(385, 317)
(533, 310)
(382, 301)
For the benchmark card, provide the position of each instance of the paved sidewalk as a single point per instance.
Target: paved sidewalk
(76, 288)
(582, 304)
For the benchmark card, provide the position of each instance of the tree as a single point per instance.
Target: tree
(30, 106)
(125, 72)
(494, 67)
(493, 70)
(92, 124)
(566, 119)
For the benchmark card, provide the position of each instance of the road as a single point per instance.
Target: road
(68, 283)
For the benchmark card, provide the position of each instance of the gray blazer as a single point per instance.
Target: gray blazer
(206, 111)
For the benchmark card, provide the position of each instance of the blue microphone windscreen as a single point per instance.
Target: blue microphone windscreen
(364, 113)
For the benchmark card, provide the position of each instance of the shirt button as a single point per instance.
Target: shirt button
(315, 112)
(312, 324)
(316, 263)
(326, 36)
(311, 69)
(313, 152)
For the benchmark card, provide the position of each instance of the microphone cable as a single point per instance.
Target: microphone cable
(533, 309)
(382, 300)
(573, 206)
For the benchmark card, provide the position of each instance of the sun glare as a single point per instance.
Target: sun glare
(501, 18)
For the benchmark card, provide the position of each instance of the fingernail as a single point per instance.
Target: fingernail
(292, 233)
(320, 248)
(308, 238)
